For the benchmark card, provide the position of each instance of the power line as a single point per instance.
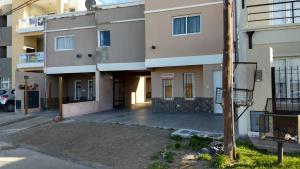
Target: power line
(25, 4)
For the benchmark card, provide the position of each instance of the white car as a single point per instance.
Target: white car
(7, 99)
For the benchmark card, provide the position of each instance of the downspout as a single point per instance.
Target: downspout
(45, 61)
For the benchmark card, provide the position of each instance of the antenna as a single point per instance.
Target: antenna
(89, 4)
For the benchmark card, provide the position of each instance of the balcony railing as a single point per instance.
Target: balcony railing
(274, 13)
(31, 60)
(31, 24)
(37, 57)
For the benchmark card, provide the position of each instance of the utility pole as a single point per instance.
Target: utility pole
(229, 137)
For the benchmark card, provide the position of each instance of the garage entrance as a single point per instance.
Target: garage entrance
(131, 89)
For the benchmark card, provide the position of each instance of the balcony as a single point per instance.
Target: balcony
(273, 14)
(31, 60)
(32, 24)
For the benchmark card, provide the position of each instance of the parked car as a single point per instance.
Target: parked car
(7, 99)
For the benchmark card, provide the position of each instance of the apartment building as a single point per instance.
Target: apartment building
(184, 46)
(5, 44)
(270, 36)
(28, 49)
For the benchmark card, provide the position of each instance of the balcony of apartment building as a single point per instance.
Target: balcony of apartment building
(33, 16)
(33, 56)
(272, 14)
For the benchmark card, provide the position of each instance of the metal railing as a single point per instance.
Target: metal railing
(276, 13)
(287, 85)
(31, 22)
(37, 57)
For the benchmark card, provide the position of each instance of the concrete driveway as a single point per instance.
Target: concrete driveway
(142, 115)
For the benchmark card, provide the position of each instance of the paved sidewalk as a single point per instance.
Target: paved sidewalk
(21, 158)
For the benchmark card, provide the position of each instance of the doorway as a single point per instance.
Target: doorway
(217, 80)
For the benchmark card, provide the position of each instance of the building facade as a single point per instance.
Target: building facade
(5, 44)
(184, 53)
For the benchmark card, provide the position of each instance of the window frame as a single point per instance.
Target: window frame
(75, 90)
(172, 89)
(99, 38)
(5, 80)
(186, 25)
(91, 95)
(55, 43)
(193, 87)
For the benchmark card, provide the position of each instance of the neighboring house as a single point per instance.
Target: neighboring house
(270, 36)
(5, 45)
(28, 49)
(184, 51)
(100, 55)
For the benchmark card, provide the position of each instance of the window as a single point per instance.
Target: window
(189, 85)
(77, 90)
(284, 10)
(186, 25)
(90, 90)
(168, 89)
(64, 43)
(104, 38)
(5, 83)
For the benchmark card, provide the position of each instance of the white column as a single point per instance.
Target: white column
(97, 84)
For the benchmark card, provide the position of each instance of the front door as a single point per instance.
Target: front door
(217, 84)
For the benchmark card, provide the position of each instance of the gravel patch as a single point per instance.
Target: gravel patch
(110, 145)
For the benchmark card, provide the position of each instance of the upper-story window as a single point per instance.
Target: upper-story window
(103, 38)
(64, 43)
(186, 25)
(285, 12)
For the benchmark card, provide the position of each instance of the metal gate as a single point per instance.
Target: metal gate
(118, 90)
(33, 99)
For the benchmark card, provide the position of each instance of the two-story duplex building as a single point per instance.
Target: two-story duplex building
(100, 55)
(184, 46)
(5, 44)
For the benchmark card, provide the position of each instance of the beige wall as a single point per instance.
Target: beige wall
(159, 31)
(178, 80)
(85, 42)
(208, 84)
(34, 78)
(127, 38)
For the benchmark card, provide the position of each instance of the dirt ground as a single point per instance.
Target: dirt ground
(111, 146)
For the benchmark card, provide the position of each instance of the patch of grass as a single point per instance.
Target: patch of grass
(176, 138)
(174, 146)
(204, 157)
(250, 157)
(158, 165)
(196, 143)
(221, 162)
(169, 156)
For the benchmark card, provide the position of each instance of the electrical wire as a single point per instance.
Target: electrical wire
(25, 4)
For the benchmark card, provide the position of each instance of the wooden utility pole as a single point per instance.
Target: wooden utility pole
(229, 137)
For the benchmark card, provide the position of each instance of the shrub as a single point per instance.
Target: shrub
(196, 143)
